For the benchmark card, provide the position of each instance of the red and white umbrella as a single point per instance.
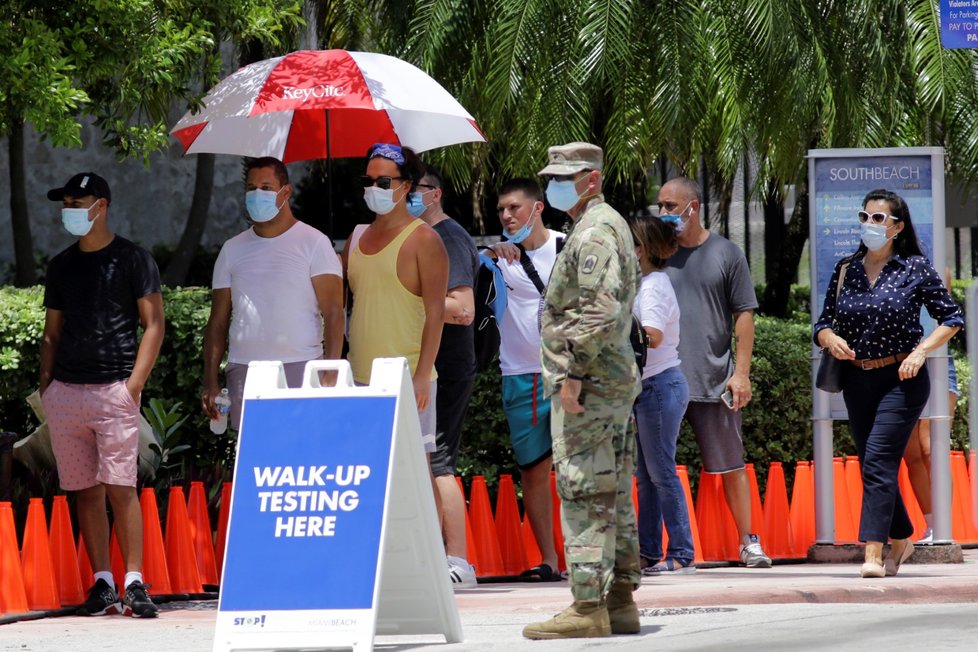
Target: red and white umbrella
(324, 104)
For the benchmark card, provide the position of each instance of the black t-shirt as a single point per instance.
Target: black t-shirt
(97, 292)
(456, 355)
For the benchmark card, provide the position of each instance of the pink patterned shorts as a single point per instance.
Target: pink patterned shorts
(94, 433)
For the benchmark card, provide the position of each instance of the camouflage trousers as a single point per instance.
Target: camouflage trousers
(594, 458)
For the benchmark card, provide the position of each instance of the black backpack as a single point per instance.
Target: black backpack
(490, 303)
(640, 343)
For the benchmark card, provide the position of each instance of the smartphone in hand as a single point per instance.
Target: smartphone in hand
(727, 398)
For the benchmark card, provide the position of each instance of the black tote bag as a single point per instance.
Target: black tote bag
(831, 370)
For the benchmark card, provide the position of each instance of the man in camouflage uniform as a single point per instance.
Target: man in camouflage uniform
(590, 373)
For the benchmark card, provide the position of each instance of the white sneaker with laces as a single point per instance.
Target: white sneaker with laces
(752, 555)
(462, 573)
(928, 536)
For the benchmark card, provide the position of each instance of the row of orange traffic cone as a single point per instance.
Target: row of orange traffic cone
(51, 572)
(501, 544)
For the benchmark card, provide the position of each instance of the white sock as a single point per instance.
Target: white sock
(105, 575)
(927, 518)
(133, 576)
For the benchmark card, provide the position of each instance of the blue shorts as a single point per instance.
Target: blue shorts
(528, 413)
(952, 378)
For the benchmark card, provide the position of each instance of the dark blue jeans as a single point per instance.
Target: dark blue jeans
(882, 413)
(659, 410)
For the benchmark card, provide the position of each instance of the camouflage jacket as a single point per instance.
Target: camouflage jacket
(587, 311)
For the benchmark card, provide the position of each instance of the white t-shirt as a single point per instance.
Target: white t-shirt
(274, 311)
(519, 332)
(656, 307)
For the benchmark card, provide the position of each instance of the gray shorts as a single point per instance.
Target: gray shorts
(236, 373)
(717, 430)
(429, 424)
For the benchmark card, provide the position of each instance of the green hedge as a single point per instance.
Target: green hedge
(777, 424)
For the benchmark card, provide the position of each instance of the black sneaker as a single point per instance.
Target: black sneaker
(136, 602)
(102, 601)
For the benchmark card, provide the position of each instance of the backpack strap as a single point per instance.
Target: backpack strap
(531, 271)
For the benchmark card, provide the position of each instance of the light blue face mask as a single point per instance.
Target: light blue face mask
(75, 220)
(874, 236)
(562, 195)
(523, 233)
(677, 221)
(415, 203)
(262, 205)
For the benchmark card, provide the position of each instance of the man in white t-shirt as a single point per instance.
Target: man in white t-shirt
(520, 208)
(277, 292)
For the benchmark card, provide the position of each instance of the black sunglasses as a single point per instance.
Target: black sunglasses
(875, 218)
(384, 183)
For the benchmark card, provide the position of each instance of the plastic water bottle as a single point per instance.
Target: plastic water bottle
(223, 403)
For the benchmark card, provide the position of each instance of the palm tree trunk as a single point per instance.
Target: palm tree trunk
(778, 289)
(176, 272)
(773, 229)
(25, 274)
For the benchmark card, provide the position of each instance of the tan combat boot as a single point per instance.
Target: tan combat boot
(622, 610)
(580, 620)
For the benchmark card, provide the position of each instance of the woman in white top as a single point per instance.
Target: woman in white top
(659, 408)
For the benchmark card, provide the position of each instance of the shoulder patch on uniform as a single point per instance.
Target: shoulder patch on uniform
(590, 262)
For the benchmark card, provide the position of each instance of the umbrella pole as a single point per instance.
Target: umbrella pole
(329, 180)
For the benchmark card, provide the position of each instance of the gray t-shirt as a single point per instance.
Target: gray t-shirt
(712, 282)
(456, 355)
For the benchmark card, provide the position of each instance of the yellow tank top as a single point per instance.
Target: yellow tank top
(387, 319)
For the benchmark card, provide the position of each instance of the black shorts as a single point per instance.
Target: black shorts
(452, 403)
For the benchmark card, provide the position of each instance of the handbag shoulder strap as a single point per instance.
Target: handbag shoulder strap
(842, 278)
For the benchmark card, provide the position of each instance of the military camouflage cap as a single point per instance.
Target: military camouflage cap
(573, 158)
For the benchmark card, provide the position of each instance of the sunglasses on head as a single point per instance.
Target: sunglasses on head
(384, 183)
(875, 218)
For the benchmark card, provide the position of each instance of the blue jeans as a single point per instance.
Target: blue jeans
(882, 413)
(659, 410)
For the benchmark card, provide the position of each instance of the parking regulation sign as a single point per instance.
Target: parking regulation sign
(959, 24)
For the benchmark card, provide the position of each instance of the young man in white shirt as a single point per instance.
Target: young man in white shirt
(277, 292)
(520, 208)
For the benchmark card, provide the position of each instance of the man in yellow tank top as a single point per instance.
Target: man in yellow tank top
(398, 300)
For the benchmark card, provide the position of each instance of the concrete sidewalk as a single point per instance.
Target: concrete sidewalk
(493, 614)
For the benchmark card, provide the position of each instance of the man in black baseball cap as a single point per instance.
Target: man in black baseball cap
(94, 365)
(82, 184)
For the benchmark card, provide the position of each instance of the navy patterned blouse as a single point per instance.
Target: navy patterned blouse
(885, 319)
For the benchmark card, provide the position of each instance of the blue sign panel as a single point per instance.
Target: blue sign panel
(308, 503)
(959, 24)
(841, 183)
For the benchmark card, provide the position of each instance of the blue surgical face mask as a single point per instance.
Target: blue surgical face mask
(676, 219)
(262, 205)
(75, 220)
(415, 204)
(378, 200)
(874, 236)
(562, 195)
(523, 233)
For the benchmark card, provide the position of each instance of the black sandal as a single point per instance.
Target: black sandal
(540, 573)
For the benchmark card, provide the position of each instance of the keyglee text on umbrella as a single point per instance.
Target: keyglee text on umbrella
(321, 90)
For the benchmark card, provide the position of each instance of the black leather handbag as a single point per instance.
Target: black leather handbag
(831, 370)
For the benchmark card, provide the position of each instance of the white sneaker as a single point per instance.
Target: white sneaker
(752, 555)
(928, 536)
(462, 573)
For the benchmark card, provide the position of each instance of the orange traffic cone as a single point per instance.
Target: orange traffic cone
(85, 569)
(962, 517)
(470, 548)
(709, 517)
(200, 530)
(802, 510)
(180, 557)
(222, 527)
(116, 561)
(508, 528)
(13, 597)
(530, 547)
(63, 554)
(756, 510)
(489, 557)
(558, 528)
(635, 497)
(693, 524)
(910, 500)
(155, 571)
(854, 487)
(35, 561)
(777, 524)
(845, 531)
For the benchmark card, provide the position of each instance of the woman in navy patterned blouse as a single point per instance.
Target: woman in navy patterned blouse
(875, 325)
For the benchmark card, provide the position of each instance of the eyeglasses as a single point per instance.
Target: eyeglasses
(384, 183)
(875, 218)
(426, 185)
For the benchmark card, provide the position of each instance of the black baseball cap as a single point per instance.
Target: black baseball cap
(82, 185)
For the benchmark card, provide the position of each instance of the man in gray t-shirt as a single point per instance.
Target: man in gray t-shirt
(716, 303)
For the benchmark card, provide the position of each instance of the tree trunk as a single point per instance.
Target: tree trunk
(25, 274)
(773, 229)
(778, 289)
(176, 272)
